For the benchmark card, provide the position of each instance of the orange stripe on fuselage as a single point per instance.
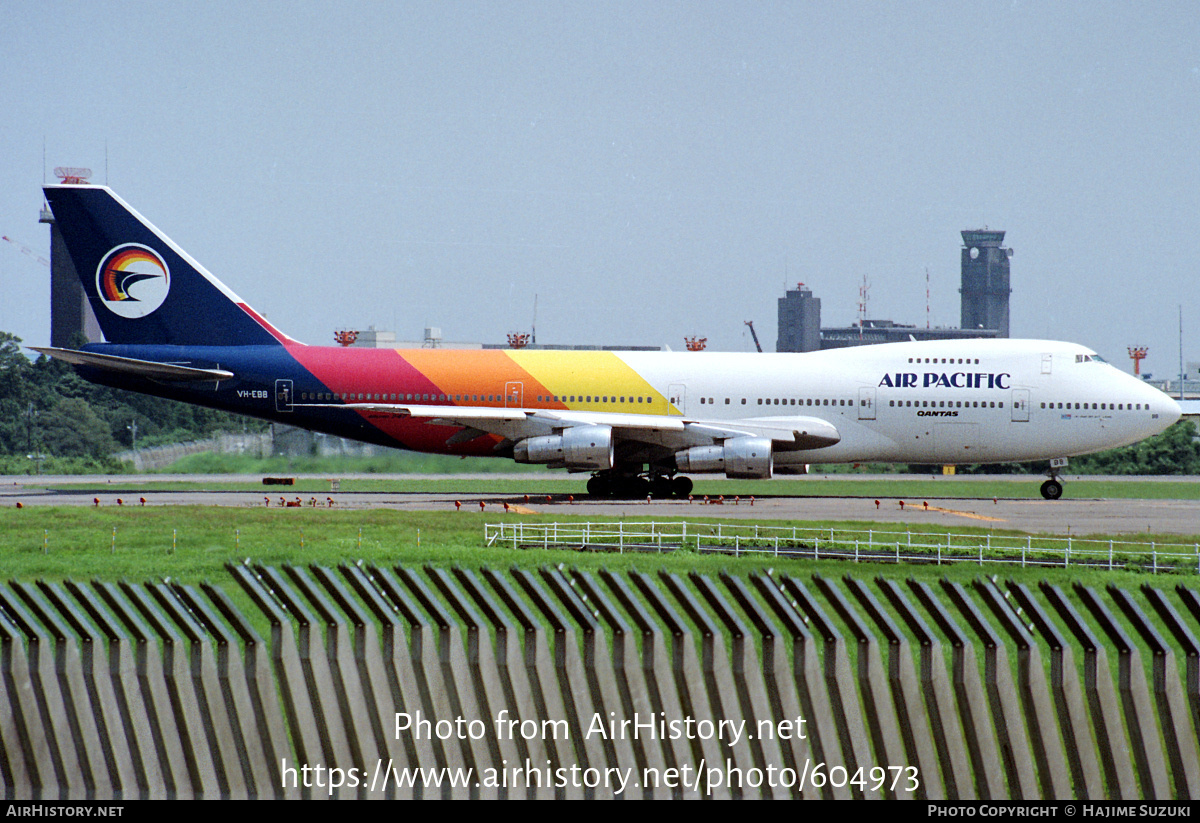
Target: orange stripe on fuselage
(477, 373)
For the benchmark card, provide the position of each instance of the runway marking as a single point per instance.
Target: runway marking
(971, 515)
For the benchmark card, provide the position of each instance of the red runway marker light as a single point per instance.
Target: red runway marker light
(120, 502)
(142, 500)
(877, 504)
(751, 500)
(570, 498)
(549, 499)
(505, 507)
(458, 505)
(481, 505)
(901, 504)
(95, 501)
(20, 505)
(526, 498)
(926, 505)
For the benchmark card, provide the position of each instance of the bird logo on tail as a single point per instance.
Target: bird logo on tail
(132, 280)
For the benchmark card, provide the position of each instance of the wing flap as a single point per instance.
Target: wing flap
(668, 431)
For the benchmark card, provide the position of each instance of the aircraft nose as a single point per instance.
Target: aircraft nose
(1174, 412)
(1170, 412)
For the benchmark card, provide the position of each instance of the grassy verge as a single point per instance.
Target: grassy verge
(395, 462)
(193, 543)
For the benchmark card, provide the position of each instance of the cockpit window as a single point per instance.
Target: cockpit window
(1089, 358)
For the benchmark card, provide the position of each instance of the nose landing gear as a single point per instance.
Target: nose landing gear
(1052, 489)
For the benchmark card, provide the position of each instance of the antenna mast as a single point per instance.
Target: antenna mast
(927, 297)
(862, 306)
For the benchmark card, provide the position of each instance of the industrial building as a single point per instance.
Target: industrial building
(70, 314)
(985, 297)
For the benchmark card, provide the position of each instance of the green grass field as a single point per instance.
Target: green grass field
(193, 543)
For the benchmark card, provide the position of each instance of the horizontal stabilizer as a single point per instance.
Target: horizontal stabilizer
(149, 369)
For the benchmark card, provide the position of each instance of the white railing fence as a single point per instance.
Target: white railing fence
(867, 545)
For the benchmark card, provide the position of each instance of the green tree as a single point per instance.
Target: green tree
(71, 428)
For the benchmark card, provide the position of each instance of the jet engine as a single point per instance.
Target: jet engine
(579, 447)
(748, 458)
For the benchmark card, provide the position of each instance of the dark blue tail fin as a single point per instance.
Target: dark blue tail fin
(142, 287)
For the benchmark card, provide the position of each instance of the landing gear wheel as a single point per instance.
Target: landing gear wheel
(1052, 489)
(661, 488)
(599, 486)
(681, 486)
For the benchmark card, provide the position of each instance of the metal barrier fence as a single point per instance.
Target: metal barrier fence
(409, 682)
(865, 545)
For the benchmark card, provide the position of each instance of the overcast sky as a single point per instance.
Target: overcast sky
(648, 170)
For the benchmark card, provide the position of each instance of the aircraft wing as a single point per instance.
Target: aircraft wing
(794, 433)
(150, 369)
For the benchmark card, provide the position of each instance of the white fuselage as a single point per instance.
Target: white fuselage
(958, 401)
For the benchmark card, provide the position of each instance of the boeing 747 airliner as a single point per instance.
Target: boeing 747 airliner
(640, 422)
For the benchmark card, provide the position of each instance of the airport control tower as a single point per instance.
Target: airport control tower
(985, 281)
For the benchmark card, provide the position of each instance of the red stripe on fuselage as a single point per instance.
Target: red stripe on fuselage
(377, 374)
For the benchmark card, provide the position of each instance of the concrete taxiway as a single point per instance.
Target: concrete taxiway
(1066, 516)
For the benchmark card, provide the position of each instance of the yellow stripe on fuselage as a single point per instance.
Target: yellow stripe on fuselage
(594, 374)
(597, 380)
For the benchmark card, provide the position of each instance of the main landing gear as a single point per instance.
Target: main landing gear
(628, 486)
(1052, 489)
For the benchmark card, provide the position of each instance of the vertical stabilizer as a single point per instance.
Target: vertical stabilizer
(143, 288)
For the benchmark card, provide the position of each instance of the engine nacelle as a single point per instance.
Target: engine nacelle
(579, 447)
(748, 458)
(546, 449)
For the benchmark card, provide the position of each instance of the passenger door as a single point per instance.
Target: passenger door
(1020, 406)
(866, 403)
(514, 395)
(283, 395)
(677, 396)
